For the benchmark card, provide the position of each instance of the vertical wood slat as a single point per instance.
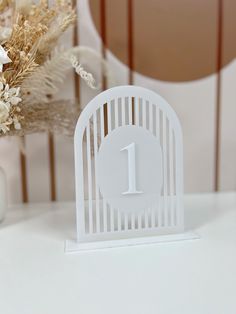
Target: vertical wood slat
(103, 35)
(90, 196)
(218, 96)
(103, 24)
(104, 86)
(130, 40)
(24, 186)
(75, 43)
(52, 166)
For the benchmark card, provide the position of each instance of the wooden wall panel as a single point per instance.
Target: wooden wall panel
(173, 40)
(118, 40)
(176, 48)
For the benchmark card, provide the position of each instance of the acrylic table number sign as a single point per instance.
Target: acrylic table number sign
(128, 170)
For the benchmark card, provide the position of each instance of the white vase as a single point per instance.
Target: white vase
(3, 194)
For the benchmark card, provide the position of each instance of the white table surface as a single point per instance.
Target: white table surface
(189, 277)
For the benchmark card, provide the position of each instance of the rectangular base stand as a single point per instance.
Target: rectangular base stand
(73, 246)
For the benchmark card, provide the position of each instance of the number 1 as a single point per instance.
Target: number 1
(131, 169)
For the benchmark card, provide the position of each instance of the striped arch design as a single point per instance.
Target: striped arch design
(113, 108)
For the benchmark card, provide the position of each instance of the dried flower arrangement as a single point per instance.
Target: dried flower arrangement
(31, 68)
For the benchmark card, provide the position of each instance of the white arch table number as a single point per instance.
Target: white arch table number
(128, 171)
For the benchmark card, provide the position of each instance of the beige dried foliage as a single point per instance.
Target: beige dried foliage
(22, 51)
(35, 33)
(46, 80)
(32, 77)
(16, 75)
(58, 117)
(50, 39)
(5, 4)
